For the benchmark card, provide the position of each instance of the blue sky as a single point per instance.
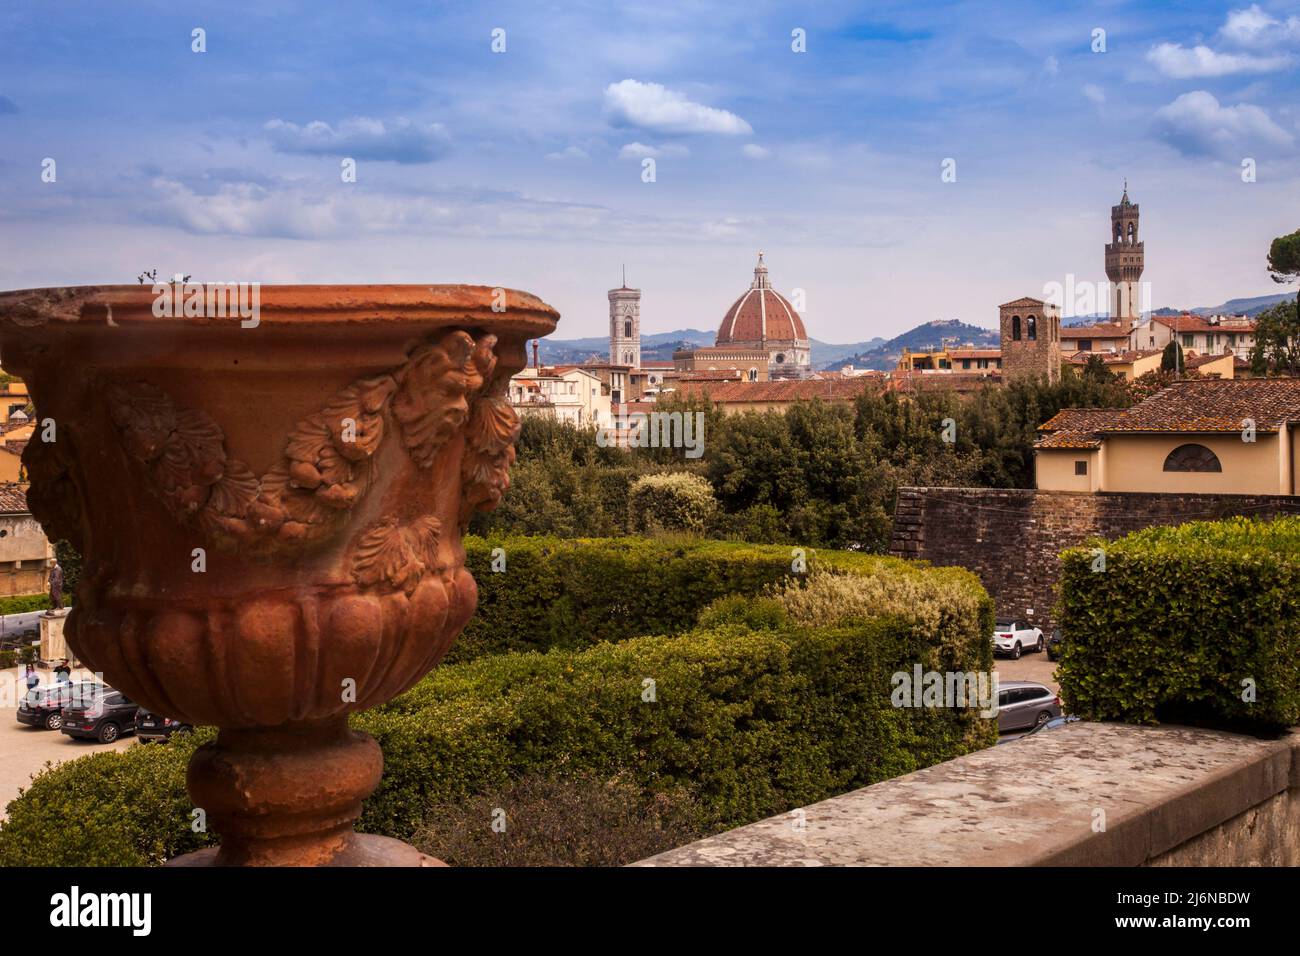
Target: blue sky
(524, 168)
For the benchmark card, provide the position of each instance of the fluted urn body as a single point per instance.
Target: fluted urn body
(269, 507)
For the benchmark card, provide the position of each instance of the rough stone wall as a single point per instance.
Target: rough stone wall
(1012, 538)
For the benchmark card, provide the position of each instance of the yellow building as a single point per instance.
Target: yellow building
(13, 397)
(963, 359)
(1215, 436)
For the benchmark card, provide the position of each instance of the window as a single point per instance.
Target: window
(1188, 340)
(1081, 467)
(1192, 458)
(1015, 328)
(1031, 328)
(1085, 345)
(627, 329)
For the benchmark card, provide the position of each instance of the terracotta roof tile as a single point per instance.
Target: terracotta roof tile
(1187, 406)
(1187, 322)
(13, 498)
(790, 390)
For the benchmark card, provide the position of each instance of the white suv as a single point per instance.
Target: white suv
(1011, 637)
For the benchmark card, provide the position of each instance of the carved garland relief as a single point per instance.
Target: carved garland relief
(327, 465)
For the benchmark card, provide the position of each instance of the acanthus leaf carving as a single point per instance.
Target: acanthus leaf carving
(395, 556)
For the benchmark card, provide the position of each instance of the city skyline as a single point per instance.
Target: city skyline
(524, 167)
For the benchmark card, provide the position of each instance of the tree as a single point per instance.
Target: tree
(1284, 262)
(1172, 359)
(1277, 342)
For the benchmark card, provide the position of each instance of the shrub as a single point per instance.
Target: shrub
(1179, 621)
(582, 820)
(748, 716)
(23, 603)
(126, 808)
(676, 501)
(574, 592)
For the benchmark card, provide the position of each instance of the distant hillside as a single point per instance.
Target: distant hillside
(654, 347)
(1251, 306)
(659, 346)
(929, 335)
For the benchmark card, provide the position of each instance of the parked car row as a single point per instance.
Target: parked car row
(89, 710)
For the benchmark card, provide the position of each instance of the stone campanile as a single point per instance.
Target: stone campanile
(625, 325)
(1124, 261)
(1031, 339)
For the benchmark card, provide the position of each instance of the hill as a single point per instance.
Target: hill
(883, 356)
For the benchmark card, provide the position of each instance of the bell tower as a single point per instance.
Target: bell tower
(1124, 261)
(625, 325)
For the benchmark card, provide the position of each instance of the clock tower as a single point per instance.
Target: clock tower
(625, 325)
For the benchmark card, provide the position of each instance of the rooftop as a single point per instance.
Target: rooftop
(1187, 406)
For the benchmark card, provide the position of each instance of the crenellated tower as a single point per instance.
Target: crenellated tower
(1124, 261)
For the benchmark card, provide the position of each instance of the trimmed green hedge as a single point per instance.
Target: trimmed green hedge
(22, 603)
(1183, 623)
(755, 711)
(576, 592)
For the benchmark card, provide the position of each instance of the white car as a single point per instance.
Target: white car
(1011, 637)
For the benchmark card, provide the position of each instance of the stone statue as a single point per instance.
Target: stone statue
(56, 587)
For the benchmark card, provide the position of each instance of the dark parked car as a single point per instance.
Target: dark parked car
(152, 728)
(43, 706)
(103, 717)
(1055, 645)
(1023, 704)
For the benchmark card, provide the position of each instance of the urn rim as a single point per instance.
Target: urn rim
(288, 307)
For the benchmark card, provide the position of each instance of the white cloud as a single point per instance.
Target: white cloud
(397, 140)
(653, 107)
(754, 151)
(1094, 93)
(1254, 27)
(641, 151)
(1197, 124)
(569, 153)
(1174, 60)
(1051, 66)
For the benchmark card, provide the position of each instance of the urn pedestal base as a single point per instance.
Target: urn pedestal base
(288, 796)
(360, 849)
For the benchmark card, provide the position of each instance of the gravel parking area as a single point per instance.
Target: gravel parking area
(25, 750)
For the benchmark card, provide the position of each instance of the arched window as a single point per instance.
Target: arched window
(1132, 232)
(1015, 327)
(627, 329)
(753, 375)
(1192, 458)
(1031, 328)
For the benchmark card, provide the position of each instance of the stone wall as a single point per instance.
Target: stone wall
(1012, 538)
(1083, 795)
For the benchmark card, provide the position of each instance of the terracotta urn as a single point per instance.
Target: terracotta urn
(269, 506)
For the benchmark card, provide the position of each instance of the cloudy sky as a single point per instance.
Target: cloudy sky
(526, 168)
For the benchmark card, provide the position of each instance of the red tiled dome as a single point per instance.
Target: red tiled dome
(761, 314)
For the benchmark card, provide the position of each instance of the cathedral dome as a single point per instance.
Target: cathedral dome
(761, 315)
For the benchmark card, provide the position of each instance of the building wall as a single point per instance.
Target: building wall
(1136, 463)
(25, 553)
(1054, 469)
(1012, 538)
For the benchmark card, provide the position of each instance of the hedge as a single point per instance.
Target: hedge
(576, 592)
(753, 712)
(1184, 624)
(23, 603)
